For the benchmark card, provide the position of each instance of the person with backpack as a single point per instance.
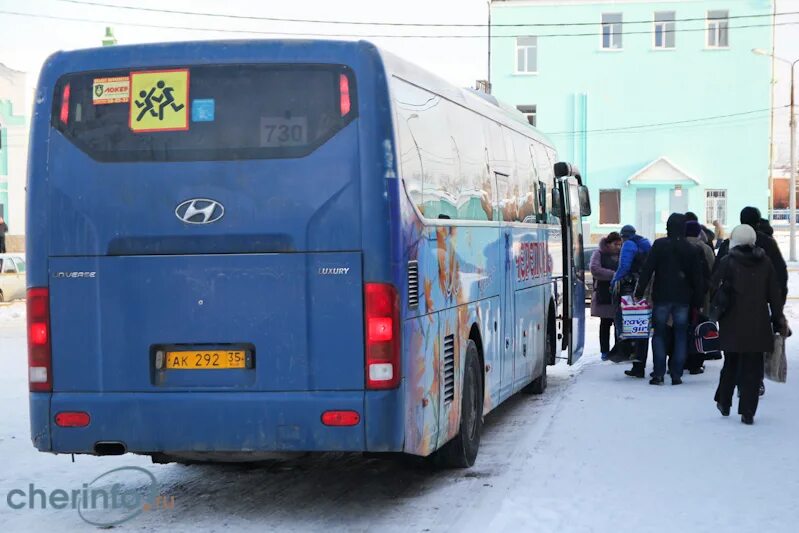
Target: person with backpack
(604, 262)
(677, 272)
(634, 252)
(753, 310)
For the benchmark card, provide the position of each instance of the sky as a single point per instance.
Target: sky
(26, 41)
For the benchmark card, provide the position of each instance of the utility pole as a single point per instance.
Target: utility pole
(489, 47)
(792, 149)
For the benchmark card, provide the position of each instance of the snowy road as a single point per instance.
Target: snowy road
(598, 452)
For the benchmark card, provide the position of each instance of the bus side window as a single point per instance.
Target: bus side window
(557, 206)
(542, 203)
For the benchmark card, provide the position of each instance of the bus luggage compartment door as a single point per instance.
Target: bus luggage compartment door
(296, 319)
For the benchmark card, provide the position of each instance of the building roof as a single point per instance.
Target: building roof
(664, 172)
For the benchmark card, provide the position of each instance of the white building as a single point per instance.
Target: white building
(14, 129)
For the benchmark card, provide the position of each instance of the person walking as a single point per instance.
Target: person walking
(604, 262)
(634, 252)
(694, 362)
(693, 232)
(751, 217)
(746, 326)
(3, 231)
(675, 265)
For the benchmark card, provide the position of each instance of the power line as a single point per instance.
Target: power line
(671, 123)
(350, 35)
(394, 24)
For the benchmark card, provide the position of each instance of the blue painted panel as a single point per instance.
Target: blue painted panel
(199, 421)
(40, 420)
(306, 328)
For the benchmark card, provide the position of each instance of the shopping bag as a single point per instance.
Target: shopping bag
(636, 318)
(776, 368)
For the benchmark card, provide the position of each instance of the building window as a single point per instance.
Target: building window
(611, 31)
(529, 112)
(610, 206)
(664, 29)
(716, 205)
(526, 55)
(718, 29)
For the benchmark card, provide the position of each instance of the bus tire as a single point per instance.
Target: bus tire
(539, 384)
(461, 452)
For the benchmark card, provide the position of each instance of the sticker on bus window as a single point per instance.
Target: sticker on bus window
(159, 100)
(111, 90)
(279, 132)
(202, 109)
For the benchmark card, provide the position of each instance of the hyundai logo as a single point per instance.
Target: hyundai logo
(199, 211)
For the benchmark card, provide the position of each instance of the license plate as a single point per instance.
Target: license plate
(205, 359)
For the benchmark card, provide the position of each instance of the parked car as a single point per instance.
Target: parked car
(12, 277)
(588, 251)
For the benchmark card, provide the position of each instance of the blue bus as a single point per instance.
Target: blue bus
(245, 248)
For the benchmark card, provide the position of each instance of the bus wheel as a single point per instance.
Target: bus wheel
(539, 384)
(461, 452)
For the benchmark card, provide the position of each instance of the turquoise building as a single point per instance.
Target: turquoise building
(662, 105)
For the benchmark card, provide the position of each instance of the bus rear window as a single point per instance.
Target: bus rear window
(204, 113)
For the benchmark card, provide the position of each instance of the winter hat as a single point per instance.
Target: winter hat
(743, 235)
(692, 228)
(627, 231)
(751, 216)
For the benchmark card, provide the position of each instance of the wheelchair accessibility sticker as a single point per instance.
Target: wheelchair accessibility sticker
(159, 100)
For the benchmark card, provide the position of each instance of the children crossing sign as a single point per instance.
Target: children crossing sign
(159, 100)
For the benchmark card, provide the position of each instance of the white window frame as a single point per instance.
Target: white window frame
(713, 26)
(713, 199)
(612, 34)
(526, 48)
(529, 114)
(666, 27)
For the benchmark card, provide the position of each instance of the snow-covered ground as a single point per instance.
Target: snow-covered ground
(598, 452)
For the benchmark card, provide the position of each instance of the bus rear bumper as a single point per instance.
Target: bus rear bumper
(206, 422)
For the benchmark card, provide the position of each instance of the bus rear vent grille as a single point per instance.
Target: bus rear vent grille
(413, 284)
(449, 368)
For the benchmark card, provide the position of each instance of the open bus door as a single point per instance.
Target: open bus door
(575, 204)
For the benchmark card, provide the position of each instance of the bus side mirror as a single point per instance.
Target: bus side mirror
(585, 201)
(562, 169)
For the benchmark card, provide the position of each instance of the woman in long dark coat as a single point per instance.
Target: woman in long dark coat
(604, 262)
(746, 327)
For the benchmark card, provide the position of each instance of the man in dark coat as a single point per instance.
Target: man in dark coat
(751, 217)
(677, 288)
(745, 328)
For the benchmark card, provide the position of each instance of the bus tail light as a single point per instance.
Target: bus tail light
(382, 336)
(40, 364)
(64, 115)
(341, 418)
(72, 419)
(344, 91)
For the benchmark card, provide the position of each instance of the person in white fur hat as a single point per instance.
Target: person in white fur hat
(747, 326)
